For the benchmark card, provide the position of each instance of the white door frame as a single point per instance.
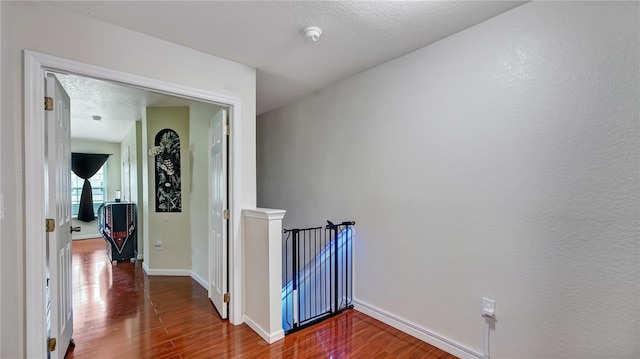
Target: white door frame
(35, 65)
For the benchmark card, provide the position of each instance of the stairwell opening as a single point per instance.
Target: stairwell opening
(317, 274)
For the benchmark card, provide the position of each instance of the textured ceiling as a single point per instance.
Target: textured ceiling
(267, 35)
(118, 107)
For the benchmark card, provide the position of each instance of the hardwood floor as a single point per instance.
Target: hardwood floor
(119, 312)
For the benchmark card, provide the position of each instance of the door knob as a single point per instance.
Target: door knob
(74, 229)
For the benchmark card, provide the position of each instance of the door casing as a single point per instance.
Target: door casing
(35, 65)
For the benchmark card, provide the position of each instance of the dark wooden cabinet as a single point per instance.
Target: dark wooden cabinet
(118, 225)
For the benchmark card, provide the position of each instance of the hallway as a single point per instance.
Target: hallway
(121, 312)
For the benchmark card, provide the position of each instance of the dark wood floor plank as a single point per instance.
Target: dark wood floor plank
(119, 312)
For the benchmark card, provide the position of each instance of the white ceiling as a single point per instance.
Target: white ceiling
(117, 106)
(267, 35)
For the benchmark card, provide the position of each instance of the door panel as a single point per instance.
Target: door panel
(58, 189)
(217, 204)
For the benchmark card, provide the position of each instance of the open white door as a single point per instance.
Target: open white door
(58, 209)
(217, 205)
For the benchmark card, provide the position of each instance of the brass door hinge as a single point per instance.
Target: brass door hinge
(226, 214)
(51, 344)
(50, 225)
(48, 103)
(227, 297)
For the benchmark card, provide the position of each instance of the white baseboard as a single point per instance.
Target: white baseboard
(199, 279)
(145, 268)
(86, 236)
(415, 330)
(140, 256)
(167, 272)
(268, 337)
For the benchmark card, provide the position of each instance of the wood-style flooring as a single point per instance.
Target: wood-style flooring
(119, 312)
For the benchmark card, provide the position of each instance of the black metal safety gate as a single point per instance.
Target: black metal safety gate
(318, 267)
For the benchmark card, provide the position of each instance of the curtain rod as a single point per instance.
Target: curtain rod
(87, 153)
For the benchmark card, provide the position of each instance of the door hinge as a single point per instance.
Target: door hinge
(226, 214)
(51, 344)
(227, 297)
(48, 103)
(227, 130)
(50, 225)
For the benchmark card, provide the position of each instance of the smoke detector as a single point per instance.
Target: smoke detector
(312, 32)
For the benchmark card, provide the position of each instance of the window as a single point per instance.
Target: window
(98, 186)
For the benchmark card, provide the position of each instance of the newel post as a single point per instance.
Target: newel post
(262, 229)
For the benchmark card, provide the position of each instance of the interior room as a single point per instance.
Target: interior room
(476, 163)
(99, 127)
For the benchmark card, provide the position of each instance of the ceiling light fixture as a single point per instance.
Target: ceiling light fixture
(312, 32)
(96, 117)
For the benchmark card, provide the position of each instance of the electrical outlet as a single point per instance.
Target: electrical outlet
(488, 307)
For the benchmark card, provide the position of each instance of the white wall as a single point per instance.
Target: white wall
(144, 186)
(2, 279)
(131, 142)
(80, 38)
(141, 153)
(199, 116)
(90, 229)
(173, 229)
(501, 162)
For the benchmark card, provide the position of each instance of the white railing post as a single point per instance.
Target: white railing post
(263, 271)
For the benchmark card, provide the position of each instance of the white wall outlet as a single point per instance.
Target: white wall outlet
(488, 307)
(158, 245)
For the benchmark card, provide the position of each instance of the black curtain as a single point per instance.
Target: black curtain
(85, 165)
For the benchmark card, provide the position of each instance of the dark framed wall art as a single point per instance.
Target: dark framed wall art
(166, 151)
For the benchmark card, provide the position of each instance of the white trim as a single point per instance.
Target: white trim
(199, 279)
(145, 268)
(35, 237)
(268, 337)
(2, 209)
(235, 249)
(86, 236)
(168, 272)
(34, 68)
(417, 331)
(140, 256)
(264, 213)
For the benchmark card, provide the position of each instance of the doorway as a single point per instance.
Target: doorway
(35, 66)
(115, 128)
